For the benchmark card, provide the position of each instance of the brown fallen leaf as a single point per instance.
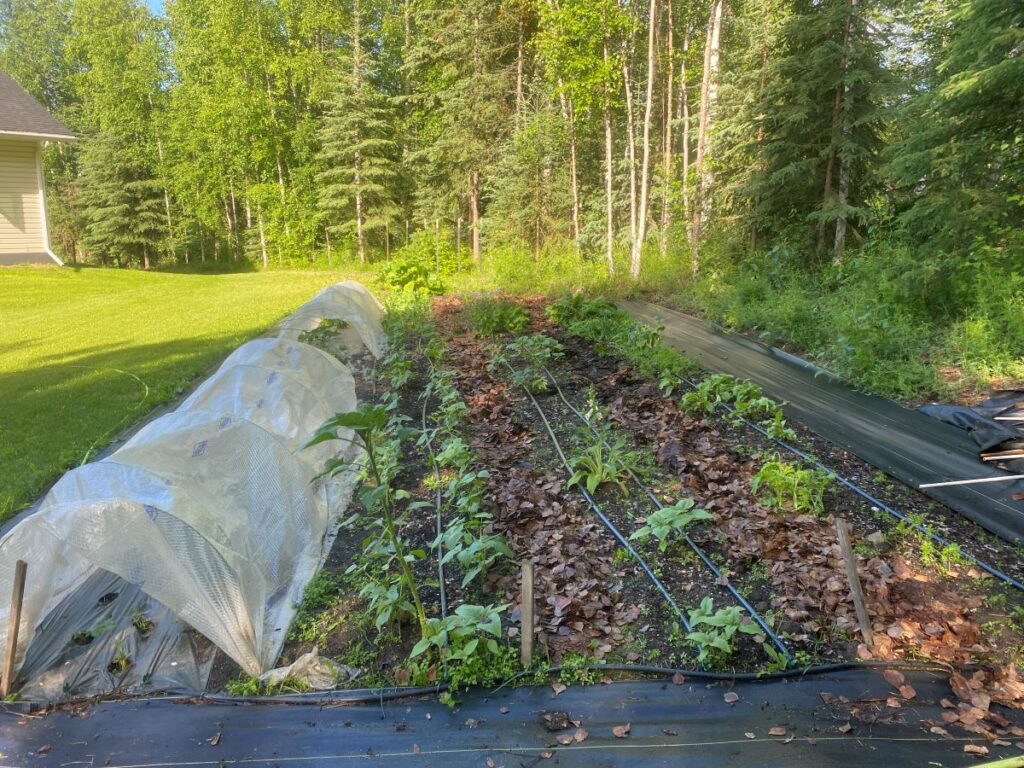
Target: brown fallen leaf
(669, 732)
(731, 697)
(907, 691)
(472, 723)
(1001, 743)
(939, 731)
(44, 750)
(415, 749)
(564, 739)
(580, 735)
(845, 728)
(621, 731)
(215, 740)
(778, 730)
(504, 710)
(490, 762)
(894, 677)
(606, 681)
(975, 749)
(559, 688)
(750, 735)
(678, 678)
(546, 755)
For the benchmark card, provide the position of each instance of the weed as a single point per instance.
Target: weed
(621, 556)
(670, 523)
(121, 661)
(785, 486)
(574, 669)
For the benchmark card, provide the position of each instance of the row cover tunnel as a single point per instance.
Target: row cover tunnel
(207, 519)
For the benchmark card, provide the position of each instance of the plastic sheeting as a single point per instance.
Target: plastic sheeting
(349, 302)
(208, 518)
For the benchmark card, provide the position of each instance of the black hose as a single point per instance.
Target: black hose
(603, 518)
(437, 505)
(697, 550)
(359, 696)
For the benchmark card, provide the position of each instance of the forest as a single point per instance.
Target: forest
(843, 176)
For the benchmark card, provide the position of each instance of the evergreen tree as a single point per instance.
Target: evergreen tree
(358, 151)
(120, 204)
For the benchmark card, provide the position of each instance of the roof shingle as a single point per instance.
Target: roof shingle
(20, 114)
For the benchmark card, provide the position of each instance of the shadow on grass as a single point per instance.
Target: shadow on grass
(54, 417)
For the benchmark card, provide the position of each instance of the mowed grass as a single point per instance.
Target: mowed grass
(86, 353)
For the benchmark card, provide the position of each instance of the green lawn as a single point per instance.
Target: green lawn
(86, 353)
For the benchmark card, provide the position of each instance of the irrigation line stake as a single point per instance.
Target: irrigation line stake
(856, 591)
(13, 625)
(526, 615)
(604, 518)
(694, 547)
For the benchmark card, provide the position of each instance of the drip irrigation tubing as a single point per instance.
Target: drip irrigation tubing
(437, 506)
(694, 547)
(604, 519)
(876, 502)
(373, 696)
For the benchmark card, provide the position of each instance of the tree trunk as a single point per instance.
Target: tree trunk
(684, 118)
(474, 214)
(666, 194)
(641, 219)
(520, 61)
(708, 97)
(573, 177)
(630, 152)
(263, 240)
(357, 81)
(844, 163)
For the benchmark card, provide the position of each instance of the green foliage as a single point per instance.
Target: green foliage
(714, 631)
(497, 316)
(785, 486)
(669, 523)
(528, 356)
(945, 559)
(249, 685)
(320, 594)
(743, 399)
(606, 460)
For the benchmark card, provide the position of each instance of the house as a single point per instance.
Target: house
(25, 126)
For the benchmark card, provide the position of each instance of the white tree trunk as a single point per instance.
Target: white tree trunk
(708, 98)
(641, 218)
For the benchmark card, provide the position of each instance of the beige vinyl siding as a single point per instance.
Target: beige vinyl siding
(21, 217)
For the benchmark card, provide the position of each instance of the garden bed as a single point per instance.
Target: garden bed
(686, 539)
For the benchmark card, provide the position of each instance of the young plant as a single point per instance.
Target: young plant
(670, 523)
(604, 461)
(714, 630)
(528, 356)
(475, 554)
(785, 486)
(370, 425)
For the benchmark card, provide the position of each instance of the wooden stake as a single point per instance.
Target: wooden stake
(972, 482)
(850, 559)
(526, 615)
(13, 623)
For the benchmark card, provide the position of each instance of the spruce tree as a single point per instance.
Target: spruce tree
(120, 202)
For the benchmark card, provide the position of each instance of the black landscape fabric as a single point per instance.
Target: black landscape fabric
(823, 720)
(903, 443)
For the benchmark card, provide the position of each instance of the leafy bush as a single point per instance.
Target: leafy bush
(495, 316)
(785, 486)
(419, 265)
(670, 523)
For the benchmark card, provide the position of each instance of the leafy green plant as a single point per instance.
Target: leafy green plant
(781, 485)
(717, 629)
(370, 425)
(670, 523)
(142, 623)
(528, 356)
(604, 461)
(496, 316)
(475, 554)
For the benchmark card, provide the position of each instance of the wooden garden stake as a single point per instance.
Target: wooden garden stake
(13, 623)
(526, 615)
(843, 534)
